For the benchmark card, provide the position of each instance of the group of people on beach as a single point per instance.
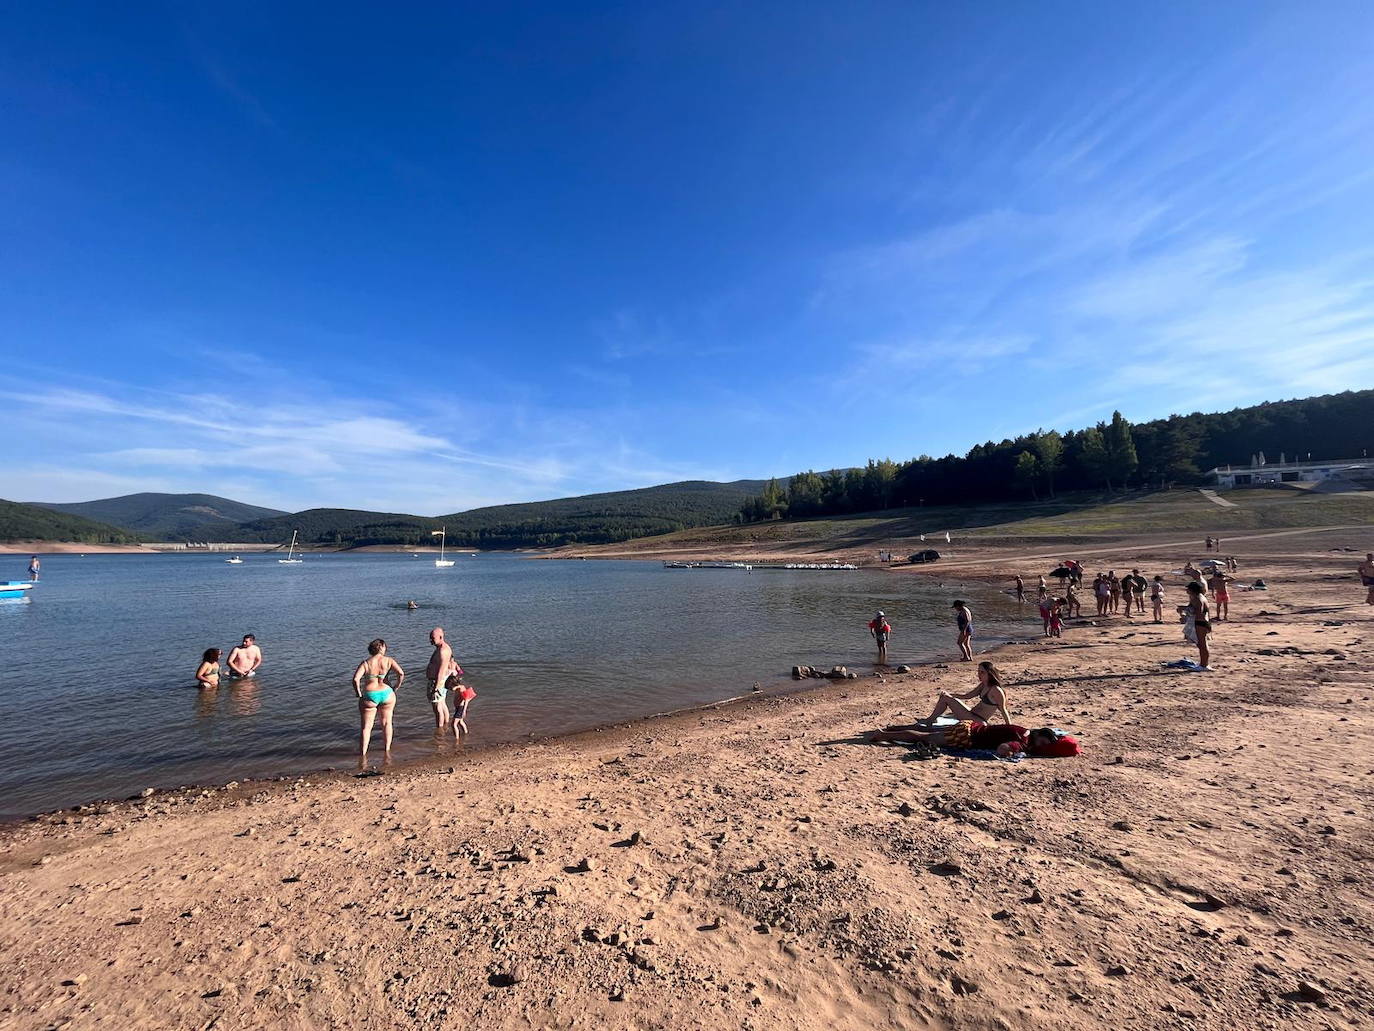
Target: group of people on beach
(375, 683)
(379, 676)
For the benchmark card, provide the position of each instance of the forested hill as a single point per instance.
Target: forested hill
(172, 517)
(1176, 450)
(591, 519)
(19, 522)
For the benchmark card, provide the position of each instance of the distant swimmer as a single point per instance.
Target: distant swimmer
(244, 659)
(34, 567)
(437, 674)
(881, 629)
(964, 616)
(1367, 576)
(207, 673)
(376, 697)
(411, 606)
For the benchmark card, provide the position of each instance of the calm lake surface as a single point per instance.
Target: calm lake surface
(98, 669)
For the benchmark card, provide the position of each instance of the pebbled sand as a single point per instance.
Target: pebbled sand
(1208, 857)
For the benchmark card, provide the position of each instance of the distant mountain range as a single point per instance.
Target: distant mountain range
(167, 517)
(591, 519)
(33, 523)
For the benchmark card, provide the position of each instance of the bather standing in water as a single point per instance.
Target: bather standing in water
(375, 696)
(207, 673)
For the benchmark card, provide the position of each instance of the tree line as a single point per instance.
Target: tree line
(1110, 455)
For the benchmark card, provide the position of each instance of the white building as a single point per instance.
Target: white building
(1262, 474)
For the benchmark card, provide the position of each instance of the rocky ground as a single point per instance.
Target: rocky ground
(1206, 864)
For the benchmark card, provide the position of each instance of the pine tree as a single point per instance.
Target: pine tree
(1122, 458)
(1049, 448)
(1027, 471)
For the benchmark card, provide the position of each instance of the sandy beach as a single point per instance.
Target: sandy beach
(1206, 863)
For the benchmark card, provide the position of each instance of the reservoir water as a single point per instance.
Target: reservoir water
(97, 670)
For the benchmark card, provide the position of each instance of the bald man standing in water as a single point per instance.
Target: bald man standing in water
(440, 665)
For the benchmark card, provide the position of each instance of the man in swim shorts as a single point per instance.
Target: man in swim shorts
(1367, 576)
(436, 674)
(244, 659)
(34, 567)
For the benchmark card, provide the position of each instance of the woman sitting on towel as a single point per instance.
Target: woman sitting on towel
(991, 695)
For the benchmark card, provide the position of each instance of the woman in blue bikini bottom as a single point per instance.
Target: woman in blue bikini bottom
(375, 696)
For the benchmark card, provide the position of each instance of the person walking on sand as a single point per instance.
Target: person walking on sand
(437, 673)
(244, 659)
(1020, 588)
(1072, 606)
(1157, 598)
(991, 695)
(34, 567)
(1216, 583)
(207, 673)
(376, 698)
(1103, 590)
(1046, 607)
(1367, 576)
(964, 618)
(880, 629)
(1137, 583)
(1197, 624)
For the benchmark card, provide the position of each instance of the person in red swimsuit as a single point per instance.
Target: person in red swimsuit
(1006, 739)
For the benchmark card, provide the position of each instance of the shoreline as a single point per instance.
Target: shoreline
(752, 864)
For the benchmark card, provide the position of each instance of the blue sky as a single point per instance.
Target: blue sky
(429, 257)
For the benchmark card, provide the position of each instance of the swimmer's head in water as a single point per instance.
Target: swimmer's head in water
(376, 647)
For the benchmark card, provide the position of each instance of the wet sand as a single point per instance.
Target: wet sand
(1205, 864)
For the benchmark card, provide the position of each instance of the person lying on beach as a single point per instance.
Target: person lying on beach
(992, 699)
(1367, 576)
(1005, 739)
(207, 673)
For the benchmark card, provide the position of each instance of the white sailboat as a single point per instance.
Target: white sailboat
(291, 559)
(442, 534)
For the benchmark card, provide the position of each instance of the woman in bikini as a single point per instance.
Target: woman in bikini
(1157, 598)
(207, 673)
(375, 696)
(992, 699)
(1197, 622)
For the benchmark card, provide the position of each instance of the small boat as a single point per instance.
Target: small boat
(235, 561)
(14, 589)
(441, 562)
(291, 559)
